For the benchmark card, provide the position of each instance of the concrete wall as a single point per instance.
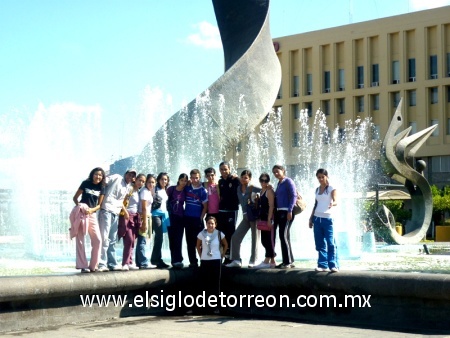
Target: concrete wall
(403, 301)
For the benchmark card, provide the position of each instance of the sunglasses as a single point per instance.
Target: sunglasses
(264, 181)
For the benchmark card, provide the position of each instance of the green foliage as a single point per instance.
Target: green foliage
(441, 198)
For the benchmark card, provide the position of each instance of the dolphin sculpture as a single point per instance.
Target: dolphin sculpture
(397, 158)
(233, 105)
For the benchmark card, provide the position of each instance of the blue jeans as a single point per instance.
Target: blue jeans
(325, 243)
(141, 258)
(108, 223)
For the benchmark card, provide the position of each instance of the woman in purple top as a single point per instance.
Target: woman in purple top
(175, 207)
(285, 197)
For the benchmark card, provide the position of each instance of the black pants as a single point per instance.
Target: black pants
(175, 233)
(227, 224)
(268, 242)
(193, 226)
(284, 232)
(210, 272)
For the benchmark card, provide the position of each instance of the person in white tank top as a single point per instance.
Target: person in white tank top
(321, 221)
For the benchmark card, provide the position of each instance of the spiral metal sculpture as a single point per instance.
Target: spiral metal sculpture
(397, 155)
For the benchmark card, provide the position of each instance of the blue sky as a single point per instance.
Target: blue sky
(129, 63)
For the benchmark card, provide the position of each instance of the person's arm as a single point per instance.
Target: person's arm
(97, 207)
(225, 246)
(271, 197)
(311, 223)
(333, 198)
(144, 217)
(76, 196)
(205, 210)
(199, 247)
(292, 192)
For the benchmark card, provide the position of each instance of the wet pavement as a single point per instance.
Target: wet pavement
(208, 326)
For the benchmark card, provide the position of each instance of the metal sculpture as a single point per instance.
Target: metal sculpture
(236, 103)
(397, 158)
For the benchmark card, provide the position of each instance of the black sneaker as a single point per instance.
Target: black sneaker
(284, 266)
(162, 265)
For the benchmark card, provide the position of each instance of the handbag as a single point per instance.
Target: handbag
(252, 208)
(299, 206)
(157, 200)
(263, 225)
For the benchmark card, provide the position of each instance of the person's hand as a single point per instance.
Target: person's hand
(126, 215)
(289, 216)
(311, 224)
(143, 228)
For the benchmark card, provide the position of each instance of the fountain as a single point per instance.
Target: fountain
(200, 135)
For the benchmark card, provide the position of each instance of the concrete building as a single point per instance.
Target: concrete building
(364, 69)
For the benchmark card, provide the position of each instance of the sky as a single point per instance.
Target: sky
(107, 74)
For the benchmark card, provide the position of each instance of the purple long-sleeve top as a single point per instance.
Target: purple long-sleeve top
(286, 194)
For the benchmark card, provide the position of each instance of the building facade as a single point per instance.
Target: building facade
(364, 70)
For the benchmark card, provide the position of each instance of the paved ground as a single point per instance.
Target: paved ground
(207, 326)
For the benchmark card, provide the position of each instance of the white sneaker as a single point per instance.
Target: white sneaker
(117, 268)
(133, 267)
(251, 265)
(263, 265)
(234, 264)
(125, 268)
(103, 269)
(319, 269)
(334, 269)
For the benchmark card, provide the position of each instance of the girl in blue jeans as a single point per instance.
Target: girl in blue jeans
(322, 221)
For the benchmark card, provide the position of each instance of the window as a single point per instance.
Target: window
(326, 107)
(436, 131)
(433, 95)
(412, 98)
(239, 147)
(295, 86)
(413, 126)
(295, 140)
(360, 76)
(376, 102)
(341, 135)
(448, 126)
(341, 80)
(326, 82)
(448, 64)
(360, 103)
(395, 72)
(375, 75)
(395, 99)
(308, 106)
(309, 84)
(433, 67)
(412, 70)
(375, 132)
(341, 106)
(440, 164)
(280, 93)
(296, 111)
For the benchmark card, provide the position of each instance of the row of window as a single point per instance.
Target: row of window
(374, 74)
(375, 133)
(375, 102)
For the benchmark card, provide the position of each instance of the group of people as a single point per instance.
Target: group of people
(137, 206)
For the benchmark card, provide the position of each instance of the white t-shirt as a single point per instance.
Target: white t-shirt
(146, 195)
(133, 202)
(162, 193)
(323, 203)
(210, 244)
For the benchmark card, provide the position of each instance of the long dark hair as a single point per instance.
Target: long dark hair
(183, 175)
(160, 175)
(93, 171)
